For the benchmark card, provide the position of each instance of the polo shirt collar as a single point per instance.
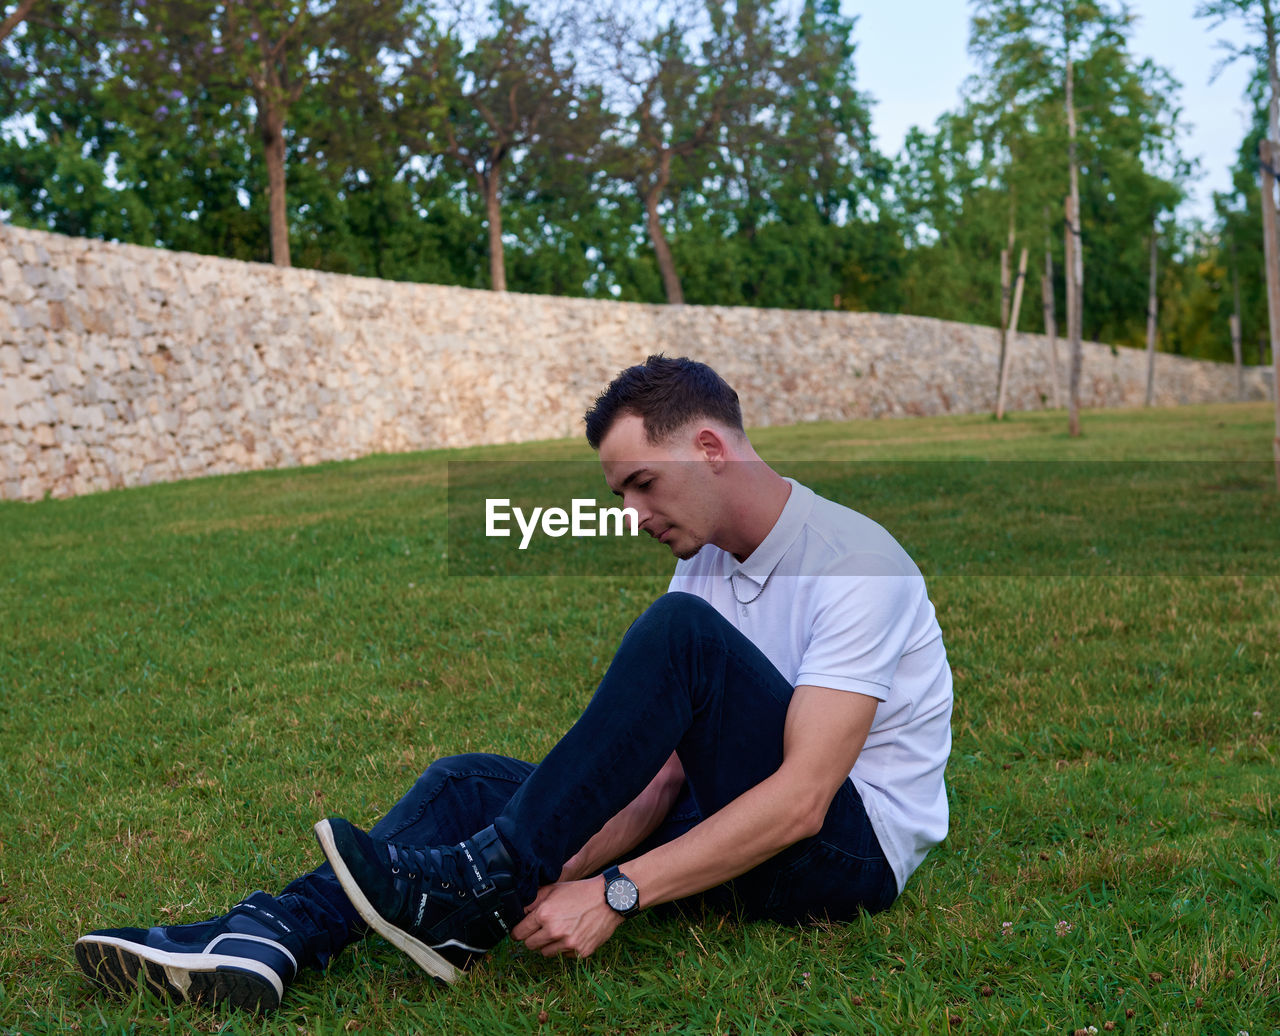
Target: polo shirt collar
(764, 559)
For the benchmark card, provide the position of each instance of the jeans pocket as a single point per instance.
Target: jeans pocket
(827, 882)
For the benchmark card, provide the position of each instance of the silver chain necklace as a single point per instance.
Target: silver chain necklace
(734, 587)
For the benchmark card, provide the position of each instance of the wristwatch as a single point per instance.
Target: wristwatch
(620, 892)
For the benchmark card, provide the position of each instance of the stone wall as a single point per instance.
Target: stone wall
(122, 365)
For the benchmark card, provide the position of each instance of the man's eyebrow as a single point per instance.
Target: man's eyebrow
(629, 479)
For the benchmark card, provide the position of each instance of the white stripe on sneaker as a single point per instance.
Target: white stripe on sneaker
(275, 944)
(178, 966)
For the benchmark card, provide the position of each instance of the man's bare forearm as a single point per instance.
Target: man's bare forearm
(630, 826)
(751, 829)
(829, 727)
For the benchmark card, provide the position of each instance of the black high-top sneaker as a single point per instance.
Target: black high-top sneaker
(442, 905)
(246, 957)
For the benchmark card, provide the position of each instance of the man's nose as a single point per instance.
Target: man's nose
(643, 514)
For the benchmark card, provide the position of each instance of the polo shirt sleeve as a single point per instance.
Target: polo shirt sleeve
(861, 621)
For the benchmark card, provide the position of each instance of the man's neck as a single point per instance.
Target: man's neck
(759, 498)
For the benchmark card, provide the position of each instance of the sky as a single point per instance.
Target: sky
(912, 58)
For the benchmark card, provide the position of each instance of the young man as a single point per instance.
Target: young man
(771, 734)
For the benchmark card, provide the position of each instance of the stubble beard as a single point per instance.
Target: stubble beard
(685, 555)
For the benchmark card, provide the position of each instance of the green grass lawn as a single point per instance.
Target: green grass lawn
(192, 674)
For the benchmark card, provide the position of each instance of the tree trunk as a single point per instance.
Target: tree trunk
(15, 19)
(271, 126)
(1151, 325)
(1075, 264)
(1266, 155)
(666, 264)
(1013, 330)
(1074, 349)
(651, 195)
(1051, 326)
(1270, 244)
(490, 181)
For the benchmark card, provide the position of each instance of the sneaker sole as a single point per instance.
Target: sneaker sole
(121, 966)
(423, 955)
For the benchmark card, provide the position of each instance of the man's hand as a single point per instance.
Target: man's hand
(569, 918)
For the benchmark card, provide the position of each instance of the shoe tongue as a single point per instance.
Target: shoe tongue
(449, 865)
(423, 861)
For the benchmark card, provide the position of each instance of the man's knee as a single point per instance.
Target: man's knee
(448, 769)
(680, 609)
(672, 621)
(672, 618)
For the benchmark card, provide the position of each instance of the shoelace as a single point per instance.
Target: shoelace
(416, 862)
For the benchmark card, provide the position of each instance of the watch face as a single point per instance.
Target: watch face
(622, 895)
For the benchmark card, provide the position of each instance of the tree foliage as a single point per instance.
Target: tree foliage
(717, 151)
(996, 169)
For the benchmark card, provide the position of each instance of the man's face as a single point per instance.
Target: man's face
(668, 484)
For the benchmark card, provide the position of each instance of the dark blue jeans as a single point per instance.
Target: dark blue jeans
(683, 680)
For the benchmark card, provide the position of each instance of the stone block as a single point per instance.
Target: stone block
(97, 354)
(36, 412)
(11, 274)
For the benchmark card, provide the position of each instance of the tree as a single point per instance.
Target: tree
(90, 159)
(505, 86)
(1239, 221)
(673, 99)
(268, 51)
(788, 208)
(992, 168)
(741, 132)
(1261, 18)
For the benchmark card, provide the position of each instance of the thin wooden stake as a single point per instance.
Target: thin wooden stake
(1237, 343)
(1076, 355)
(1004, 314)
(1237, 353)
(1011, 332)
(1151, 325)
(1051, 328)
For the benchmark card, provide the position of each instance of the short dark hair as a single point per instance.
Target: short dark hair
(666, 394)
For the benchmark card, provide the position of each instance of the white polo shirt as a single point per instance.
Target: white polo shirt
(834, 601)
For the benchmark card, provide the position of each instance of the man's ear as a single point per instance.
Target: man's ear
(711, 444)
